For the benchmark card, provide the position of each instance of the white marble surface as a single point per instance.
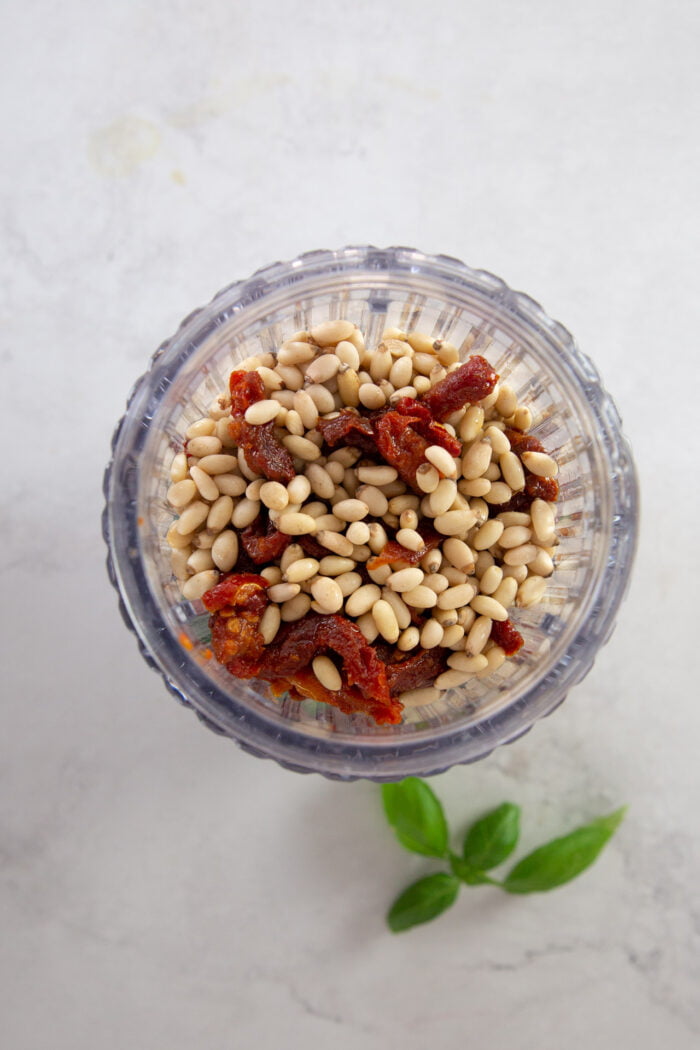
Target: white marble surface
(159, 888)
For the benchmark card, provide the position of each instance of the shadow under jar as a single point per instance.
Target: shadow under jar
(573, 416)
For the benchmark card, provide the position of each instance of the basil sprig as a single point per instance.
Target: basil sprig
(417, 816)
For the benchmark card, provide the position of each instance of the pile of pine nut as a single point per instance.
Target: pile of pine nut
(353, 507)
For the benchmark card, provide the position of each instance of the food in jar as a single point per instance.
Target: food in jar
(359, 522)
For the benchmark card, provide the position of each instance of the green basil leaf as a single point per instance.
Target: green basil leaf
(562, 859)
(469, 875)
(417, 816)
(492, 838)
(423, 901)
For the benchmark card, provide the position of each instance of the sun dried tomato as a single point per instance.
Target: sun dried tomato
(237, 604)
(542, 488)
(264, 544)
(504, 634)
(394, 551)
(245, 388)
(400, 445)
(263, 451)
(520, 442)
(348, 699)
(424, 424)
(297, 644)
(311, 547)
(349, 428)
(265, 454)
(416, 671)
(474, 380)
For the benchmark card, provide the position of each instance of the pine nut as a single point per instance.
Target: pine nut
(271, 380)
(491, 580)
(349, 387)
(333, 541)
(422, 697)
(284, 396)
(515, 536)
(292, 422)
(348, 582)
(253, 490)
(347, 354)
(405, 580)
(531, 591)
(407, 501)
(542, 515)
(327, 673)
(203, 446)
(431, 634)
(270, 623)
(181, 493)
(375, 500)
(514, 517)
(362, 600)
(203, 540)
(282, 592)
(220, 514)
(294, 552)
(298, 489)
(498, 493)
(423, 363)
(480, 509)
(176, 540)
(518, 573)
(408, 639)
(199, 560)
(368, 627)
(483, 605)
(295, 353)
(385, 620)
(178, 563)
(295, 608)
(506, 402)
(401, 371)
(378, 538)
(452, 679)
(512, 471)
(454, 522)
(506, 591)
(456, 597)
(522, 419)
(484, 561)
(178, 467)
(427, 477)
(410, 539)
(320, 481)
(478, 636)
(371, 396)
(408, 519)
(192, 517)
(462, 662)
(226, 484)
(495, 658)
(334, 565)
(401, 610)
(261, 412)
(452, 636)
(358, 532)
(476, 460)
(292, 377)
(436, 581)
(327, 593)
(301, 570)
(499, 442)
(328, 333)
(245, 512)
(541, 464)
(420, 598)
(542, 564)
(521, 555)
(447, 617)
(465, 619)
(371, 475)
(422, 385)
(218, 464)
(471, 424)
(274, 495)
(443, 497)
(224, 550)
(442, 460)
(477, 487)
(295, 524)
(197, 585)
(420, 342)
(350, 510)
(323, 368)
(321, 397)
(301, 447)
(459, 554)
